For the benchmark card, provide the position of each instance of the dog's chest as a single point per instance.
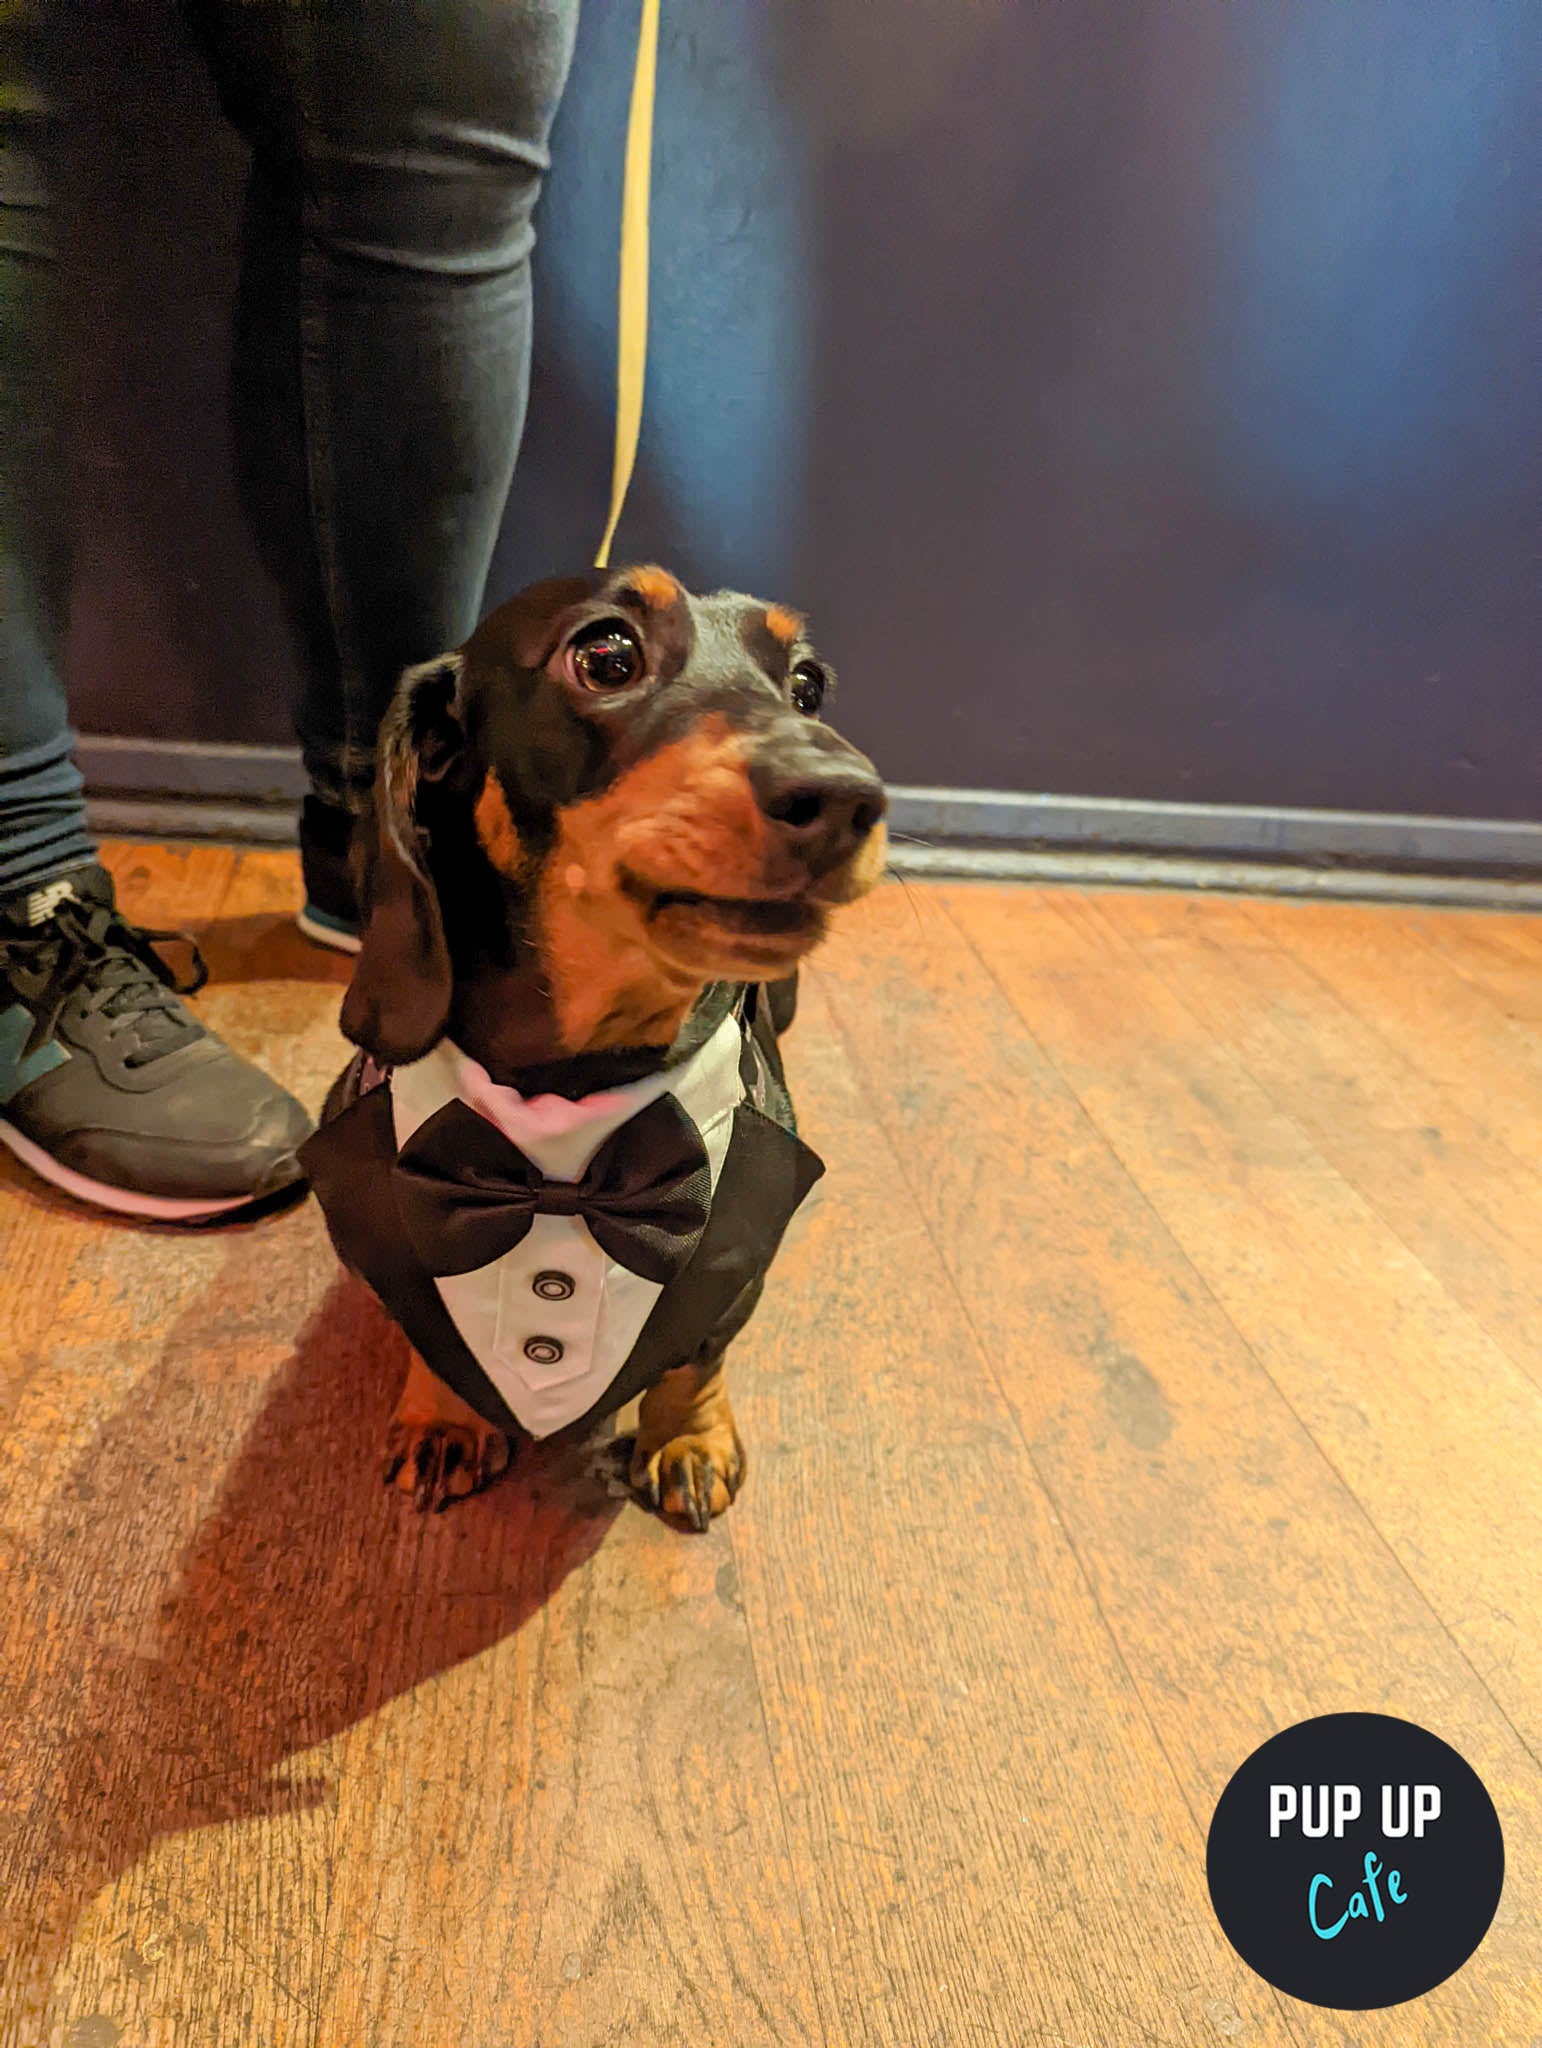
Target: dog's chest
(552, 1321)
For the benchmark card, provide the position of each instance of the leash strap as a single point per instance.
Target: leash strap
(632, 308)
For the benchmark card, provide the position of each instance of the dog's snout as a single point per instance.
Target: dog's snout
(823, 808)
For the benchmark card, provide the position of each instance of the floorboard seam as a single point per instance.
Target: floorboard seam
(1528, 1166)
(1137, 1691)
(1246, 1067)
(781, 1803)
(1200, 1280)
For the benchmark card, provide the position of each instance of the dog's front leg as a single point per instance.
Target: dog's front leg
(688, 1459)
(438, 1448)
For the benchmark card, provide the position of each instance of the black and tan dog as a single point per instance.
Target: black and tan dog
(604, 834)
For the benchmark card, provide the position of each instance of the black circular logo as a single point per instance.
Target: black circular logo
(1355, 1861)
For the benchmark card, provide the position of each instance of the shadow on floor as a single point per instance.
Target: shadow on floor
(162, 1693)
(265, 946)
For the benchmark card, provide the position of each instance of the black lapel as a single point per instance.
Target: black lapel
(348, 1162)
(761, 1066)
(766, 1174)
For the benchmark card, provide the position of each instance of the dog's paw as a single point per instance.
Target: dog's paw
(436, 1461)
(694, 1477)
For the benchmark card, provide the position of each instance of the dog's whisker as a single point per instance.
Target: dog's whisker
(913, 900)
(892, 874)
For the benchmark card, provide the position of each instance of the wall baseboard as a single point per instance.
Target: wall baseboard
(160, 817)
(1088, 868)
(1379, 839)
(203, 769)
(188, 790)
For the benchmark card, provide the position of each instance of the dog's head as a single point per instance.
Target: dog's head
(615, 793)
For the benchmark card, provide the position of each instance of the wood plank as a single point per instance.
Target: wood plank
(977, 1806)
(1243, 1583)
(597, 1851)
(338, 1774)
(165, 1421)
(1519, 932)
(1436, 1431)
(918, 1745)
(161, 1586)
(179, 887)
(1457, 1197)
(1419, 1006)
(42, 1232)
(1510, 975)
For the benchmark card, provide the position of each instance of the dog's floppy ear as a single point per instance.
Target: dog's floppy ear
(398, 1002)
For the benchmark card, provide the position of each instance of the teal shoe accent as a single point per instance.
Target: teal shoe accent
(16, 1072)
(340, 933)
(345, 927)
(128, 1101)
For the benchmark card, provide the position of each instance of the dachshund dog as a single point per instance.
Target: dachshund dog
(603, 835)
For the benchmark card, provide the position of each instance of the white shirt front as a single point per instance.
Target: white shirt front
(552, 1322)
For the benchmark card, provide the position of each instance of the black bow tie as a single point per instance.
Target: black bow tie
(467, 1194)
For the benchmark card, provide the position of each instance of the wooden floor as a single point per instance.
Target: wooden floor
(1164, 1366)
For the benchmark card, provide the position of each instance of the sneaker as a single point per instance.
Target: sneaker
(110, 1087)
(331, 913)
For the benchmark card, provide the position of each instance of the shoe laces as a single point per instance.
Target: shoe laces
(91, 947)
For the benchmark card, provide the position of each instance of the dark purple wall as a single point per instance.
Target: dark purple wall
(1144, 400)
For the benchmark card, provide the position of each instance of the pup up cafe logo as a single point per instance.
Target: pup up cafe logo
(1355, 1861)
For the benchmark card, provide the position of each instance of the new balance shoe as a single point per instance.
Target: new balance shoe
(110, 1087)
(331, 913)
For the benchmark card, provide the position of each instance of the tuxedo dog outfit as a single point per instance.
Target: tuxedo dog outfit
(551, 1258)
(602, 837)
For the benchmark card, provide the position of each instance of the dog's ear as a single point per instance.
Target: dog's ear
(398, 1002)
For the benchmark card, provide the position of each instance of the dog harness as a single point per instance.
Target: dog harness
(552, 1258)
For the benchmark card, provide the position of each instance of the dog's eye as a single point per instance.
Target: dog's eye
(606, 656)
(809, 683)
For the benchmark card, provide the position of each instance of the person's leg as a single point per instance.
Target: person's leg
(384, 350)
(43, 829)
(109, 1086)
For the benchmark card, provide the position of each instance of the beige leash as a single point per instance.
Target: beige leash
(632, 309)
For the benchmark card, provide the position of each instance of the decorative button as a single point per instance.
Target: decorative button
(543, 1350)
(553, 1286)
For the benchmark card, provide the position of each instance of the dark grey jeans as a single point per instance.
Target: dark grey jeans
(381, 360)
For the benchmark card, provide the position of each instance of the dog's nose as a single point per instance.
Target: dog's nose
(823, 808)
